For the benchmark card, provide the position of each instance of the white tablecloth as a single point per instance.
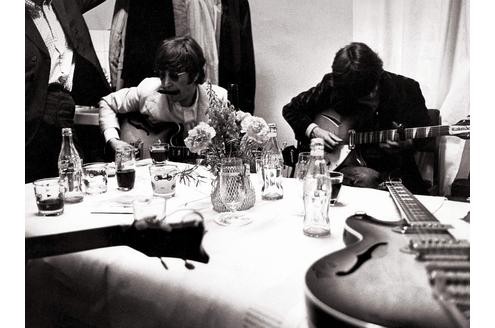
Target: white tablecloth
(255, 277)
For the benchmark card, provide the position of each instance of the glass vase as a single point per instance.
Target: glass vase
(248, 202)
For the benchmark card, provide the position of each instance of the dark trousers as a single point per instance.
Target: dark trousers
(41, 152)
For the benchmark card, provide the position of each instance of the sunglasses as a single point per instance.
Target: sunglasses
(174, 76)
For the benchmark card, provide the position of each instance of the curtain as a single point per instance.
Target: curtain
(427, 40)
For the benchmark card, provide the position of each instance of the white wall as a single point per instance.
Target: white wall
(294, 44)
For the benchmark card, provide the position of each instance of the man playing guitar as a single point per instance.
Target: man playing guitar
(359, 91)
(178, 96)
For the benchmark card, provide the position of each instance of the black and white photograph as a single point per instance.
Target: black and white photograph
(249, 163)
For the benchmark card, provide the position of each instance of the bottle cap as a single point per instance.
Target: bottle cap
(66, 131)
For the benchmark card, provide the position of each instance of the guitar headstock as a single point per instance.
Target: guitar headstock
(160, 239)
(461, 129)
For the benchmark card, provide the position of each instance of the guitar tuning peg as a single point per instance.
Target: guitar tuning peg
(189, 265)
(163, 263)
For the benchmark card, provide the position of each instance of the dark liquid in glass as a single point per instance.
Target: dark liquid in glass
(125, 178)
(52, 204)
(160, 155)
(336, 185)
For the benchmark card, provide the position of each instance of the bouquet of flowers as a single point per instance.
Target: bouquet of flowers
(228, 133)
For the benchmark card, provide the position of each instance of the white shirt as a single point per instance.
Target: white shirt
(61, 55)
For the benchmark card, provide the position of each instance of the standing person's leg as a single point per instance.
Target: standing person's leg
(41, 155)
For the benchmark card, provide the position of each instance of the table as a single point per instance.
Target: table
(255, 277)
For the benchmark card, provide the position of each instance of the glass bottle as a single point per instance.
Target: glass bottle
(317, 192)
(70, 168)
(272, 167)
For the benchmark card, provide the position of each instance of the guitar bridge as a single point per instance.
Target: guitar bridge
(452, 289)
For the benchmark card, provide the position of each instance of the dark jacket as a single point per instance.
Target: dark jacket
(89, 80)
(401, 101)
(236, 52)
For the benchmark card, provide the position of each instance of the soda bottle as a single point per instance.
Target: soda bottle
(317, 192)
(70, 168)
(272, 164)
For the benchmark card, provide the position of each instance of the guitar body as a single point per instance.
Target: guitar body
(332, 121)
(372, 282)
(137, 131)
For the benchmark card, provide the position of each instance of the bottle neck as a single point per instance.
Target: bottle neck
(66, 142)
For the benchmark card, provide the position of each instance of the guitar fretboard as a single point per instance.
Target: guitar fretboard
(393, 134)
(410, 206)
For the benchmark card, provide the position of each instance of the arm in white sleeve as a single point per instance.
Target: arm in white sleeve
(120, 102)
(310, 128)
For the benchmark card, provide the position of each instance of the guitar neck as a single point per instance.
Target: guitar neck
(394, 135)
(412, 210)
(75, 241)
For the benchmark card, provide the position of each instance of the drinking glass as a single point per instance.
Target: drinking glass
(232, 192)
(49, 196)
(159, 152)
(95, 178)
(299, 174)
(163, 179)
(336, 178)
(301, 165)
(151, 209)
(125, 164)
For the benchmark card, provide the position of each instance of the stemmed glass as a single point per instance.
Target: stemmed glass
(233, 191)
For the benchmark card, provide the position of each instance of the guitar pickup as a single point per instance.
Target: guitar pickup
(448, 266)
(423, 227)
(450, 277)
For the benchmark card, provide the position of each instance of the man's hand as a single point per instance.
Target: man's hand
(117, 143)
(330, 139)
(394, 147)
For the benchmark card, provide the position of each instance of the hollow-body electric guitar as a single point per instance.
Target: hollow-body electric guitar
(410, 273)
(343, 128)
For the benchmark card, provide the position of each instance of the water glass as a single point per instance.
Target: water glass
(125, 165)
(150, 209)
(299, 174)
(301, 165)
(159, 152)
(336, 178)
(163, 179)
(257, 164)
(233, 190)
(49, 196)
(95, 178)
(317, 193)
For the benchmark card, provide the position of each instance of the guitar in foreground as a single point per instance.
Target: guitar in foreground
(180, 240)
(342, 127)
(410, 273)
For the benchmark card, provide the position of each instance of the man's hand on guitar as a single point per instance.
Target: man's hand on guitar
(117, 143)
(330, 139)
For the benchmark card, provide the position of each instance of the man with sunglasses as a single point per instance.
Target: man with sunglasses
(177, 95)
(360, 90)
